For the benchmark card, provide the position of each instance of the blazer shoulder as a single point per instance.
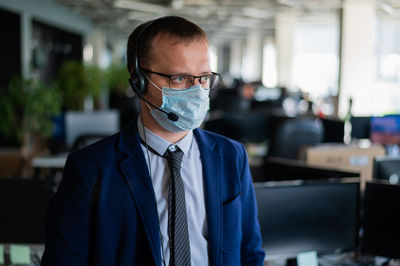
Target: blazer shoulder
(105, 144)
(97, 155)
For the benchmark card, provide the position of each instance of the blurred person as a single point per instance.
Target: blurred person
(162, 191)
(248, 90)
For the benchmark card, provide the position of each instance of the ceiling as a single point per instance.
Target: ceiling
(223, 20)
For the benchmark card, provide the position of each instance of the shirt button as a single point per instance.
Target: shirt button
(172, 148)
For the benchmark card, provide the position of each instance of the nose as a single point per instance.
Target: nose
(196, 81)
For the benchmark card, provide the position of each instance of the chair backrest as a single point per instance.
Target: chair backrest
(293, 134)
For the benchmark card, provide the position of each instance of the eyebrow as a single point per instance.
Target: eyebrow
(201, 74)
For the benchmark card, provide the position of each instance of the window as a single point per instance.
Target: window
(316, 57)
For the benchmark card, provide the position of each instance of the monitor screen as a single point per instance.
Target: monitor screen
(387, 168)
(360, 127)
(385, 129)
(333, 130)
(310, 217)
(100, 123)
(381, 224)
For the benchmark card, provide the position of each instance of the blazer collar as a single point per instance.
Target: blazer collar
(211, 162)
(137, 178)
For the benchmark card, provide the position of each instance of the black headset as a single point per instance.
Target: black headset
(138, 80)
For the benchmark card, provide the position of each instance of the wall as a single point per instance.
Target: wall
(45, 11)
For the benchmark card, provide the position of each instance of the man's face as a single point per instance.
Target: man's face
(172, 56)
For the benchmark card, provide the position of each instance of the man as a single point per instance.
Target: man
(161, 192)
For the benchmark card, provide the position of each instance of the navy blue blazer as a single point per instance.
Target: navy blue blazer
(104, 212)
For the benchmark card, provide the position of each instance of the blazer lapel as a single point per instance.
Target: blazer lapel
(212, 183)
(137, 177)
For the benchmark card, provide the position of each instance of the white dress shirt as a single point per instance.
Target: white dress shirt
(192, 177)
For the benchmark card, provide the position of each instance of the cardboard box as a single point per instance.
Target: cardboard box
(343, 157)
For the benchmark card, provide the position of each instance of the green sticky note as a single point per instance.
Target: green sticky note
(1, 254)
(20, 254)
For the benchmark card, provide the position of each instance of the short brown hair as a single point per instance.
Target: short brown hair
(173, 26)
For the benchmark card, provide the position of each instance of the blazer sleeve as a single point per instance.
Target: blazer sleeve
(251, 250)
(67, 220)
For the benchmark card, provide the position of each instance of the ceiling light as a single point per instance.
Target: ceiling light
(140, 6)
(387, 8)
(177, 4)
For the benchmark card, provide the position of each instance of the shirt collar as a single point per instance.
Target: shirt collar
(159, 144)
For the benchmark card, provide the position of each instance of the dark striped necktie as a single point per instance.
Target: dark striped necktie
(177, 219)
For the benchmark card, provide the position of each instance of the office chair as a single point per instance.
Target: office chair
(292, 134)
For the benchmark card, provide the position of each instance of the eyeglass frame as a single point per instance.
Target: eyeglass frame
(194, 77)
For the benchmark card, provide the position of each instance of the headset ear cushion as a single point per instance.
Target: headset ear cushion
(141, 81)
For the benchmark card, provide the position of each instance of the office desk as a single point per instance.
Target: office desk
(340, 259)
(54, 164)
(56, 161)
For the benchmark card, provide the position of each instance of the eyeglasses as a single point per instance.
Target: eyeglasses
(183, 81)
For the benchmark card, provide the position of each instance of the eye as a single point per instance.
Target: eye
(178, 79)
(205, 78)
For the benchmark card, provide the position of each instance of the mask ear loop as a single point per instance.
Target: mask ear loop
(148, 159)
(152, 83)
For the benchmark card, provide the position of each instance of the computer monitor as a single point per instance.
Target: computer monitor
(23, 204)
(387, 168)
(381, 222)
(245, 127)
(360, 127)
(320, 217)
(333, 130)
(385, 129)
(100, 123)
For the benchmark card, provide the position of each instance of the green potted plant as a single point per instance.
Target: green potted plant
(77, 82)
(26, 111)
(71, 83)
(95, 82)
(121, 95)
(28, 107)
(117, 79)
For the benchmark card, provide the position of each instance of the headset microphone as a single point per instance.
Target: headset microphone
(171, 116)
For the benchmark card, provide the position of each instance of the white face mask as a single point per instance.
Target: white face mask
(190, 105)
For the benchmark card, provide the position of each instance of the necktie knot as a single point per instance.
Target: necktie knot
(174, 158)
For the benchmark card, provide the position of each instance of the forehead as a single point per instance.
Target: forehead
(167, 51)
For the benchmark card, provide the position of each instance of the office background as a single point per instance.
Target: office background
(311, 88)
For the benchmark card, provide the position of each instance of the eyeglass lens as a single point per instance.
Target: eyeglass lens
(186, 81)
